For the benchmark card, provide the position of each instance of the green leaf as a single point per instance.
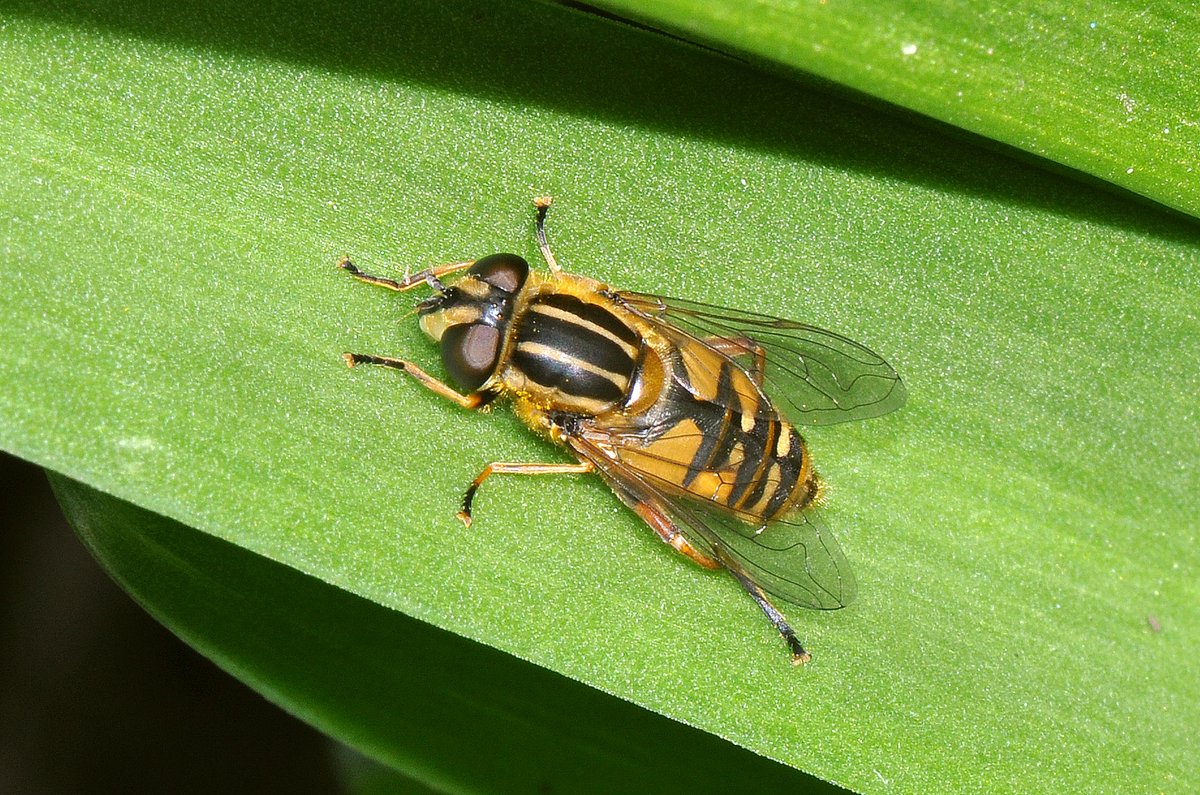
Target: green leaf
(453, 714)
(1108, 89)
(177, 185)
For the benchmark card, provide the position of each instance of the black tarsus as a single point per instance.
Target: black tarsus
(799, 654)
(468, 498)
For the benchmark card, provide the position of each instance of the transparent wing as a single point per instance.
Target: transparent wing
(795, 559)
(824, 377)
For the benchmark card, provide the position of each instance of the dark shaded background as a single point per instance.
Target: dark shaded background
(97, 697)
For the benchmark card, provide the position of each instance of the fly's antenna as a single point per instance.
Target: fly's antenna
(543, 205)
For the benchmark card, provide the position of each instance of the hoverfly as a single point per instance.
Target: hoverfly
(674, 403)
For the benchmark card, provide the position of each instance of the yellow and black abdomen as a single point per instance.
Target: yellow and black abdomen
(714, 436)
(572, 355)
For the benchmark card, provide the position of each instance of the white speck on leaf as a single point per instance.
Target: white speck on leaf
(1127, 102)
(140, 443)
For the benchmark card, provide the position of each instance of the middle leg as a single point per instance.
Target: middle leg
(504, 468)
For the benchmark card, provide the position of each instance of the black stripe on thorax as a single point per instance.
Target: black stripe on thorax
(560, 373)
(573, 347)
(592, 313)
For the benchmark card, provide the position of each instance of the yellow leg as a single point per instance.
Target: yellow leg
(503, 468)
(669, 533)
(428, 276)
(471, 401)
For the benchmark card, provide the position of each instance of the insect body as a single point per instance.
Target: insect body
(670, 401)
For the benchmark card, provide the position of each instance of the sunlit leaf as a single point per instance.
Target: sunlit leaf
(177, 184)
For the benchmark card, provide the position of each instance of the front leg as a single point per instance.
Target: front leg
(471, 401)
(428, 276)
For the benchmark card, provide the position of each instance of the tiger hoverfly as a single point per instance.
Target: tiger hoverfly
(678, 405)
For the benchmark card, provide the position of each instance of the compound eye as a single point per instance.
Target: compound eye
(505, 272)
(470, 352)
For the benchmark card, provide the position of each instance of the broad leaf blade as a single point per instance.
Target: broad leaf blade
(176, 191)
(1108, 89)
(451, 713)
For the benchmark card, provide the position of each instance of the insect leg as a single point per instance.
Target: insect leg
(799, 655)
(503, 468)
(741, 346)
(543, 205)
(471, 401)
(428, 276)
(669, 533)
